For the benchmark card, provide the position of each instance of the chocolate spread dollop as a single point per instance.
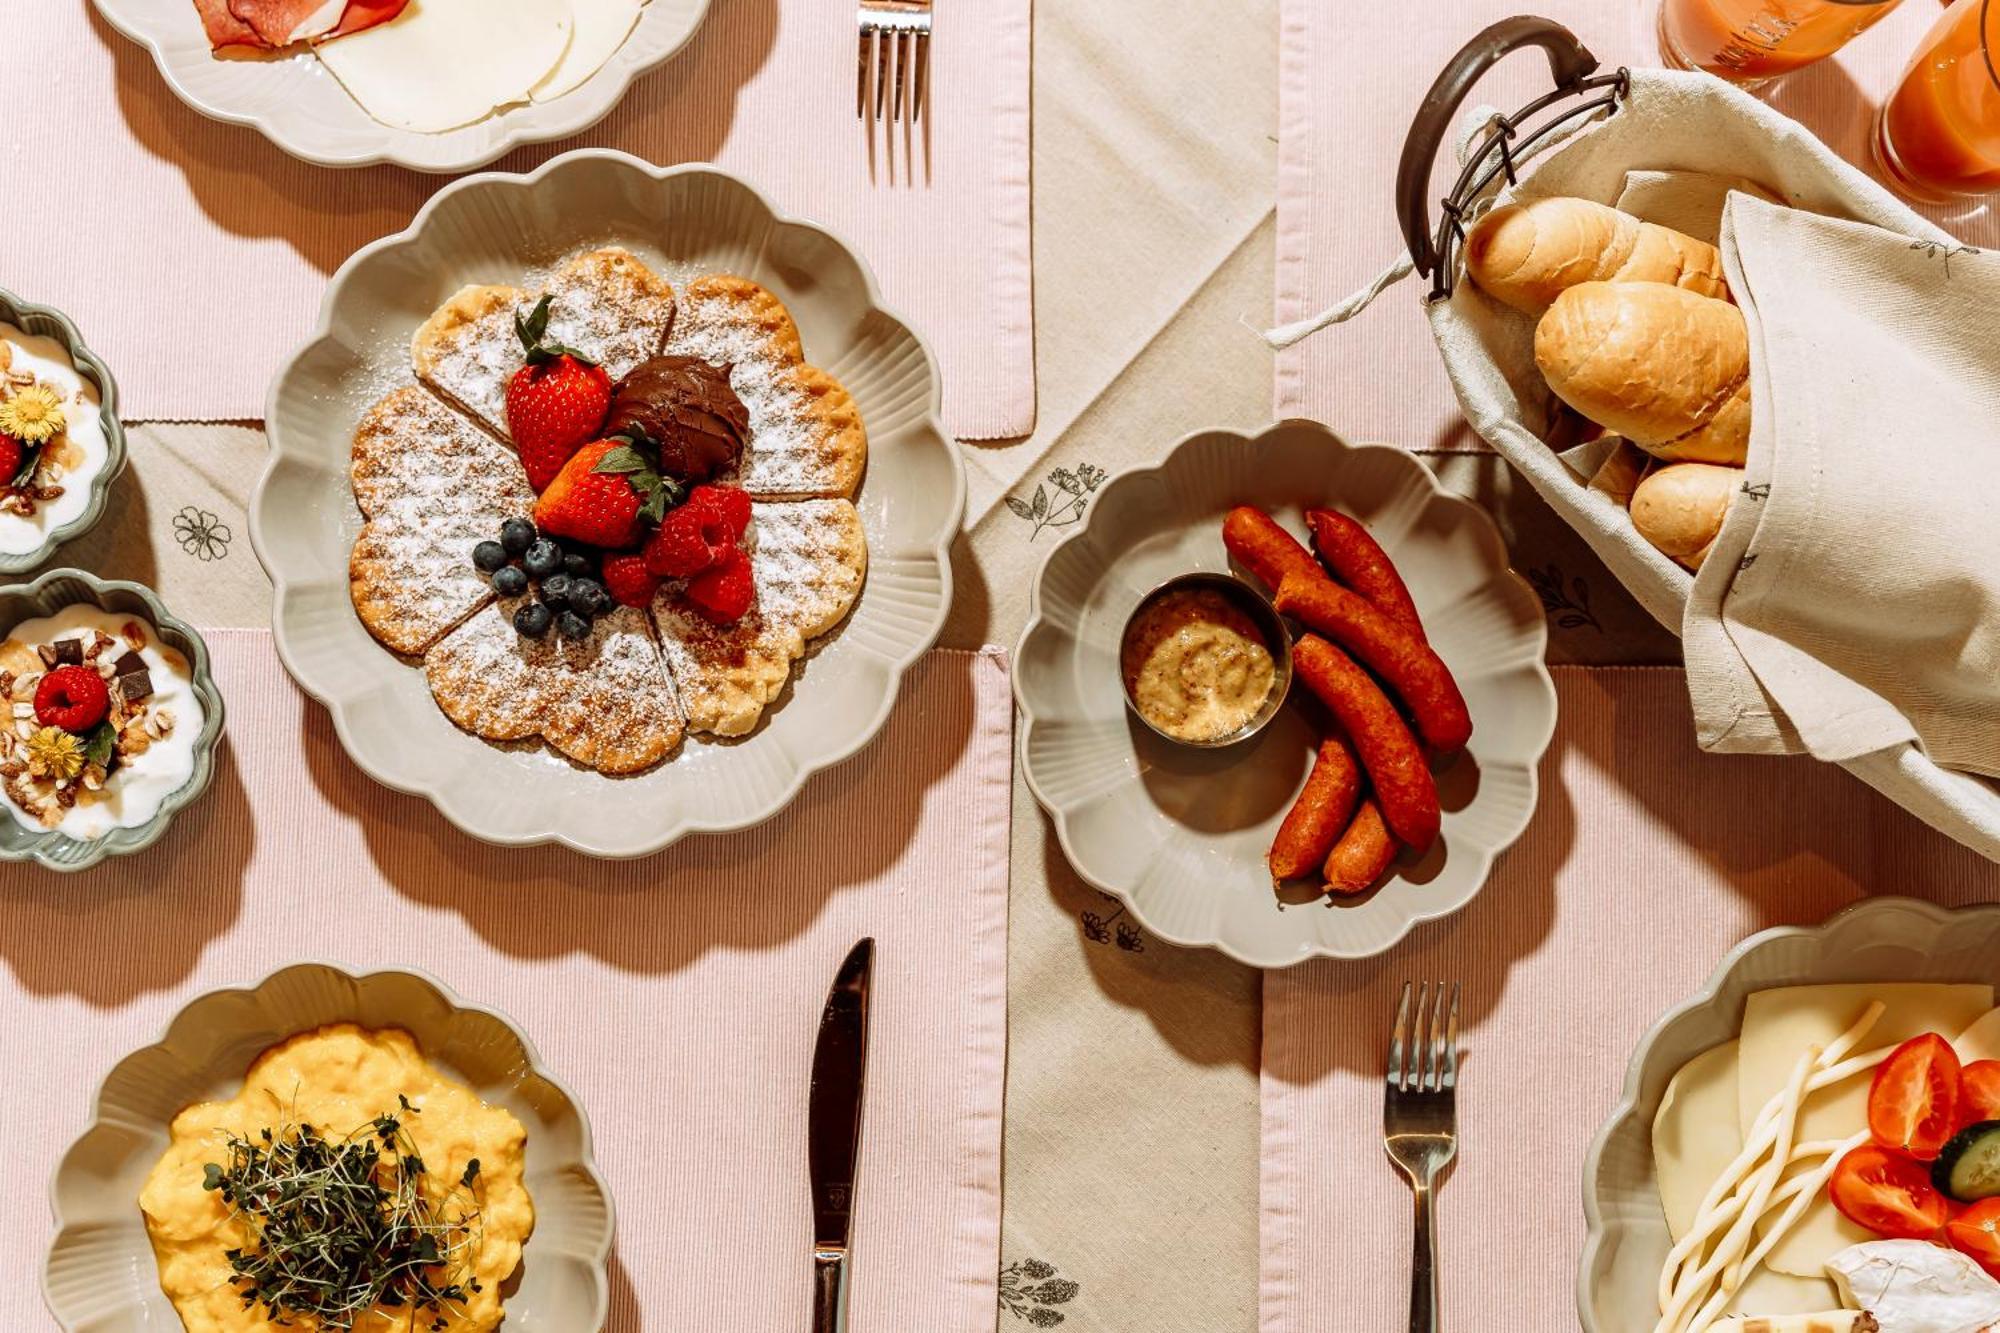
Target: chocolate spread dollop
(686, 406)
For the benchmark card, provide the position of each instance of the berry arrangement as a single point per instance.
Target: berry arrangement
(610, 525)
(91, 712)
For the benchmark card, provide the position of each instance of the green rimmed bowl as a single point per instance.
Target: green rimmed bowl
(47, 322)
(66, 587)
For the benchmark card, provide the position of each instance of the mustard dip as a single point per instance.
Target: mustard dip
(337, 1079)
(1196, 665)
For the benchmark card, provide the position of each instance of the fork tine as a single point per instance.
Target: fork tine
(861, 78)
(900, 107)
(1439, 1041)
(1396, 1043)
(920, 85)
(1423, 1060)
(881, 74)
(1451, 1043)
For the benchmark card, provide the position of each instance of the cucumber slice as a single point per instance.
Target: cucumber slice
(1969, 1167)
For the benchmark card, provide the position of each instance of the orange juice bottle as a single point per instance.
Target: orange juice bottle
(1748, 41)
(1938, 136)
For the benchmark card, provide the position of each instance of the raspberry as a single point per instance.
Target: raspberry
(727, 506)
(723, 595)
(629, 581)
(11, 454)
(678, 547)
(73, 698)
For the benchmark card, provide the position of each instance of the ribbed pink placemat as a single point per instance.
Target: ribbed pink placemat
(194, 254)
(1646, 862)
(1351, 78)
(678, 996)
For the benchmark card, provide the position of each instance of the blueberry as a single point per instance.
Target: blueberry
(533, 620)
(541, 559)
(489, 556)
(517, 535)
(572, 626)
(587, 597)
(510, 581)
(579, 566)
(555, 588)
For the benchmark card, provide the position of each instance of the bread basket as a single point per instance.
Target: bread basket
(1581, 139)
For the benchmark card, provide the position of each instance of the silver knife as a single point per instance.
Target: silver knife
(833, 1131)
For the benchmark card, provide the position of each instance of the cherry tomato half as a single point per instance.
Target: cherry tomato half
(1888, 1194)
(1979, 1092)
(1913, 1105)
(1976, 1232)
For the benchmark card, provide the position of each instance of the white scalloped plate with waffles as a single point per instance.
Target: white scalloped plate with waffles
(1180, 836)
(294, 100)
(681, 221)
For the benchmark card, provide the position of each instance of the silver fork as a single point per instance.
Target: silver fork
(894, 33)
(1420, 1126)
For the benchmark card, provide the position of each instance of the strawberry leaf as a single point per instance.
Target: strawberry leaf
(532, 330)
(624, 458)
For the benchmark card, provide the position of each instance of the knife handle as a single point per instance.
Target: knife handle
(829, 1291)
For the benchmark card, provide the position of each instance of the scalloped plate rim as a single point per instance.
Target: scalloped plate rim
(1037, 623)
(600, 1257)
(938, 552)
(578, 122)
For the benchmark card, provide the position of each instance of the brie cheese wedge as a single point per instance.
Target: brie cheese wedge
(1913, 1286)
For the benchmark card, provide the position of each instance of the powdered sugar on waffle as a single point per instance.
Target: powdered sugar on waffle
(430, 485)
(788, 453)
(603, 701)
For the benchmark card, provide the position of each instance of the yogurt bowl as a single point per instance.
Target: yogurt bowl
(66, 492)
(112, 719)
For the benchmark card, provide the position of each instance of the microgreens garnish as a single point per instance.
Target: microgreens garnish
(638, 459)
(341, 1226)
(533, 329)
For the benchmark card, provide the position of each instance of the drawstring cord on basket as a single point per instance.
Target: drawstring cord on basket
(1476, 123)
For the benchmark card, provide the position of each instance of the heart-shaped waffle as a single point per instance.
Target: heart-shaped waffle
(432, 484)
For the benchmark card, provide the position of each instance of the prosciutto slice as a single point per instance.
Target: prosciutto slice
(271, 24)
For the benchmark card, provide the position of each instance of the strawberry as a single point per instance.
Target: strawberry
(602, 494)
(726, 507)
(11, 454)
(628, 580)
(724, 593)
(555, 403)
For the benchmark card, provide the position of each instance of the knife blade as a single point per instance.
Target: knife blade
(833, 1130)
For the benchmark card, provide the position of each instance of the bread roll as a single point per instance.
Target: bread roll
(1680, 508)
(1665, 368)
(1528, 254)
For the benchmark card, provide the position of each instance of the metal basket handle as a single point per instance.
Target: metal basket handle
(1571, 66)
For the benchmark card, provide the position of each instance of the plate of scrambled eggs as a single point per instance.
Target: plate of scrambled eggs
(327, 1151)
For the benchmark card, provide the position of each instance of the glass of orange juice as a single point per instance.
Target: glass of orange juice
(1749, 41)
(1938, 136)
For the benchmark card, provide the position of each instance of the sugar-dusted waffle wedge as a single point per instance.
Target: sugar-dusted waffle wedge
(808, 564)
(430, 485)
(806, 436)
(604, 701)
(604, 303)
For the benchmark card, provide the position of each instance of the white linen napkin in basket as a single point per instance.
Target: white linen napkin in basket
(1853, 599)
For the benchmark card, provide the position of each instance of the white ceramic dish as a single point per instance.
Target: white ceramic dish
(683, 221)
(1880, 939)
(100, 1274)
(296, 103)
(1181, 835)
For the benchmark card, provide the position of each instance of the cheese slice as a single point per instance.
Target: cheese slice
(1779, 1025)
(445, 63)
(1981, 1041)
(600, 28)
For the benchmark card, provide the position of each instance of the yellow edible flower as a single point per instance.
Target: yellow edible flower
(55, 754)
(33, 415)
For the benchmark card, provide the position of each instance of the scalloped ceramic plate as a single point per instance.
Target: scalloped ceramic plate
(682, 220)
(48, 322)
(65, 587)
(1879, 939)
(296, 103)
(1180, 835)
(100, 1274)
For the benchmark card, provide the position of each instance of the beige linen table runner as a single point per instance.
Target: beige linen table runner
(678, 995)
(1852, 603)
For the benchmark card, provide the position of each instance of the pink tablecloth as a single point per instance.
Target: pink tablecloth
(194, 253)
(677, 995)
(1351, 79)
(1646, 862)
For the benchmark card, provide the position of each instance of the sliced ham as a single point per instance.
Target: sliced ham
(282, 22)
(271, 24)
(361, 15)
(224, 29)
